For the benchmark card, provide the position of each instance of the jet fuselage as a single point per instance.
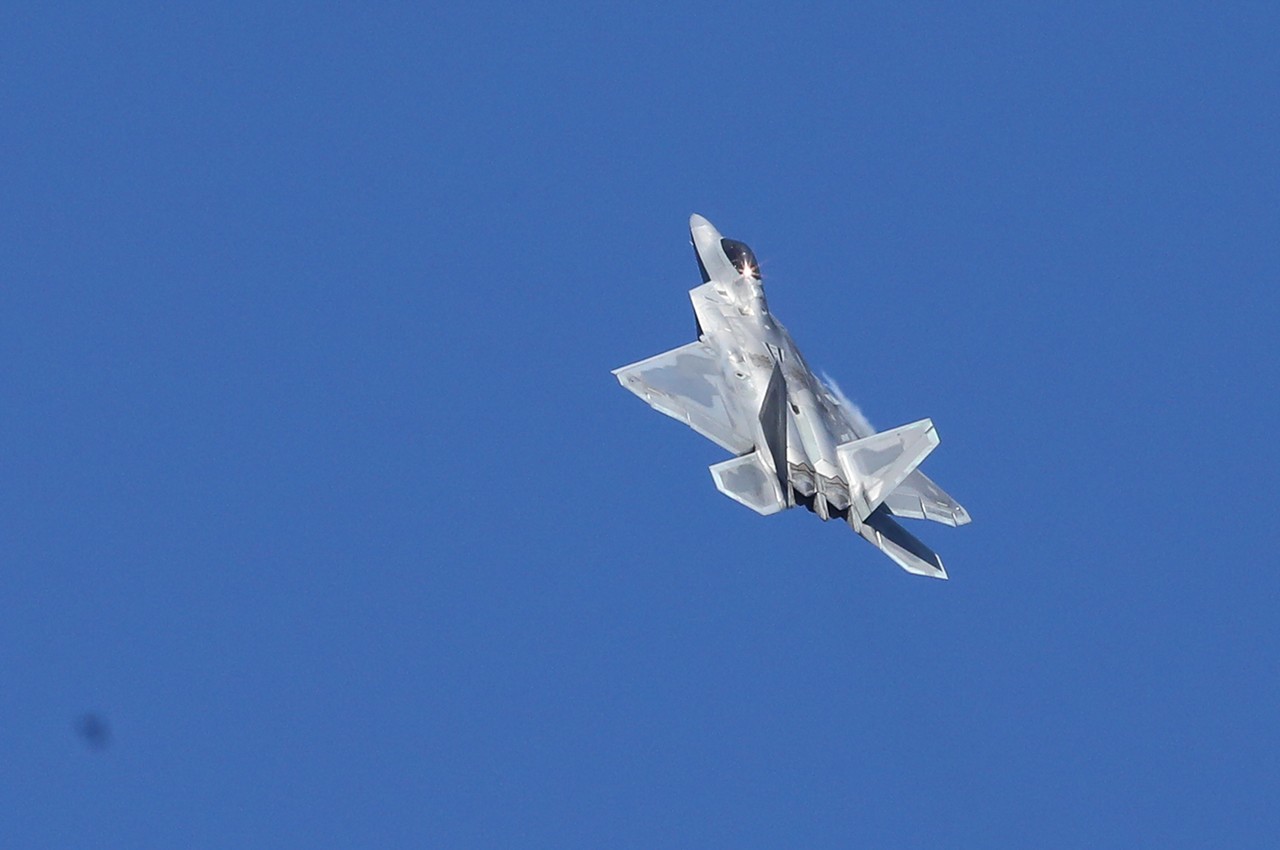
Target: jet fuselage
(734, 318)
(744, 385)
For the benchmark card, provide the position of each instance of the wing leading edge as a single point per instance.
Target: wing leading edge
(907, 551)
(686, 384)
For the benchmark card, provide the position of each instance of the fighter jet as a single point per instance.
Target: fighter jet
(744, 385)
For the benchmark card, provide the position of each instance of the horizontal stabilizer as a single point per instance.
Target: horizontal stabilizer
(918, 497)
(876, 465)
(883, 531)
(747, 481)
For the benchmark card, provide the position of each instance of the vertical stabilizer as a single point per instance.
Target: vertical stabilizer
(874, 466)
(773, 422)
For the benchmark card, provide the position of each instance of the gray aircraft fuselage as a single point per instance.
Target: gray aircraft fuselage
(745, 385)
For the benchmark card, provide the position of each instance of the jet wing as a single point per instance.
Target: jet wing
(918, 497)
(883, 532)
(686, 384)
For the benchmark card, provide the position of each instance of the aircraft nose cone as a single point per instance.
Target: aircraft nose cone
(699, 225)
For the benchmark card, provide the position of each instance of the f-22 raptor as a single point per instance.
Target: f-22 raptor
(744, 385)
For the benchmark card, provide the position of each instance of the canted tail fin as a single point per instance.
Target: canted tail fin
(773, 424)
(874, 466)
(748, 480)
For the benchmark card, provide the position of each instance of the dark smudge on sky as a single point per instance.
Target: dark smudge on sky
(93, 730)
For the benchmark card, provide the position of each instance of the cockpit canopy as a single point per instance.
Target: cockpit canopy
(741, 257)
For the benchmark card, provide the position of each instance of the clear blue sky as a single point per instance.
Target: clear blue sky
(315, 485)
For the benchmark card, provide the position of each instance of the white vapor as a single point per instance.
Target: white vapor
(860, 421)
